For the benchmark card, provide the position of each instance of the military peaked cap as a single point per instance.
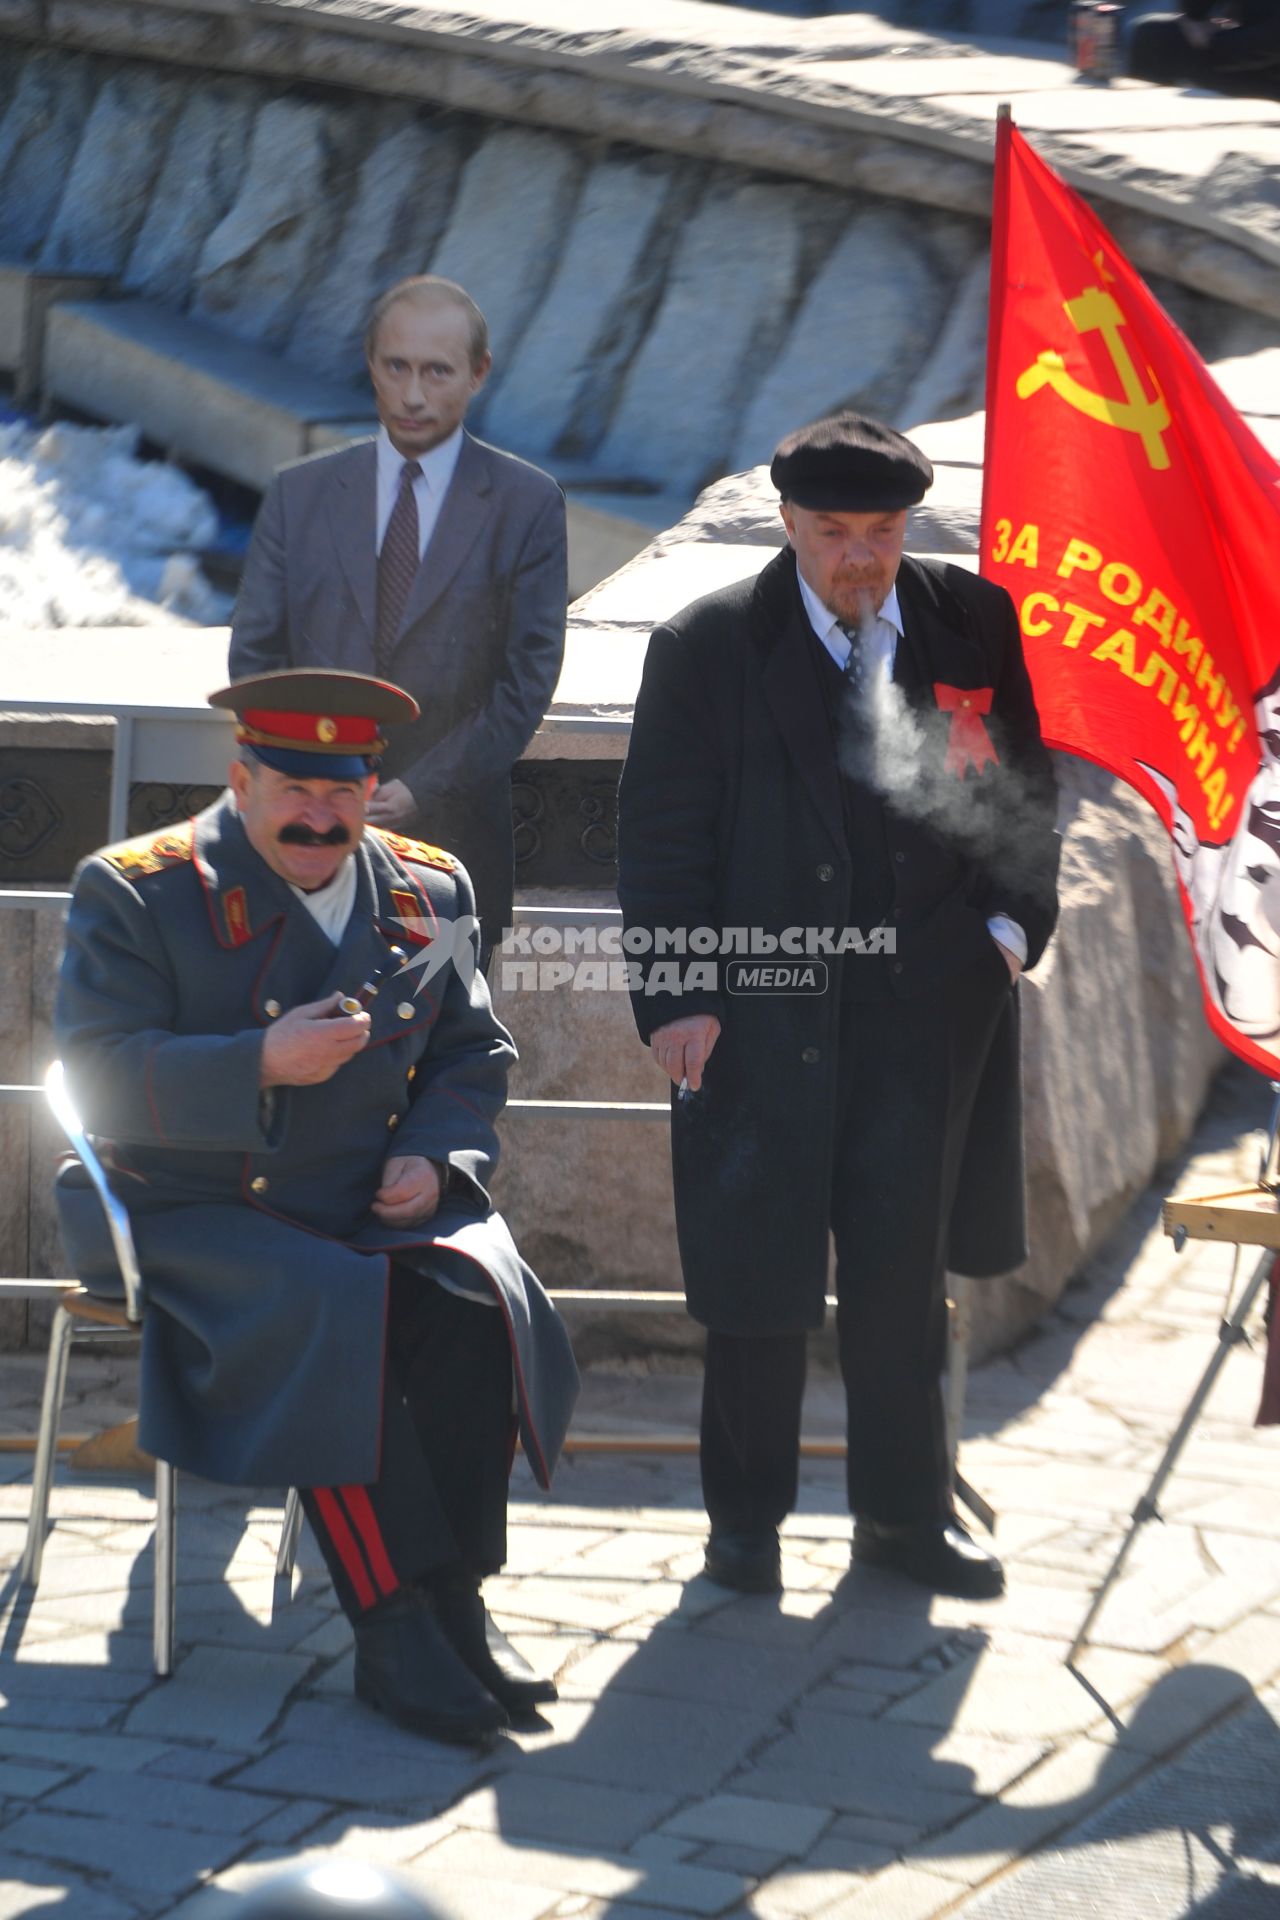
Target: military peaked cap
(313, 725)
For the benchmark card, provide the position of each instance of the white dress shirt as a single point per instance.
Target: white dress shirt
(429, 489)
(880, 647)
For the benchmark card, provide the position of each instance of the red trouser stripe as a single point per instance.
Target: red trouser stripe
(348, 1552)
(363, 1518)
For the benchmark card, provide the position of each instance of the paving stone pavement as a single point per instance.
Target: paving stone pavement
(852, 1749)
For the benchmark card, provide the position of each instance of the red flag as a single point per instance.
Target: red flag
(1135, 520)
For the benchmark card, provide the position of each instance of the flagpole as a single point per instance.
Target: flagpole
(995, 300)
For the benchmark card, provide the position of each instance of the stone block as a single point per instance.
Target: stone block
(257, 266)
(558, 389)
(427, 1784)
(889, 316)
(228, 1696)
(39, 136)
(509, 221)
(827, 1875)
(632, 1741)
(54, 795)
(151, 1861)
(25, 298)
(454, 1896)
(952, 379)
(736, 1819)
(398, 209)
(163, 1803)
(611, 1224)
(18, 1782)
(739, 258)
(112, 178)
(113, 1753)
(575, 1044)
(599, 542)
(562, 1812)
(197, 182)
(901, 1892)
(673, 1886)
(1051, 1797)
(37, 1887)
(194, 389)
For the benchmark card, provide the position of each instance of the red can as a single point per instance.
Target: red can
(1095, 38)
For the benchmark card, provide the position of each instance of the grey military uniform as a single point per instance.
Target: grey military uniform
(266, 1273)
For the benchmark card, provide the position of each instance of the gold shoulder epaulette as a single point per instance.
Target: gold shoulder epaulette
(417, 852)
(151, 852)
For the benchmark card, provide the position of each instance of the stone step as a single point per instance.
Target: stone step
(204, 396)
(26, 296)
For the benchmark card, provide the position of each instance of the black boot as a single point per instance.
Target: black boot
(406, 1668)
(484, 1648)
(939, 1554)
(747, 1562)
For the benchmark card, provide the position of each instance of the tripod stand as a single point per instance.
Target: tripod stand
(1247, 1218)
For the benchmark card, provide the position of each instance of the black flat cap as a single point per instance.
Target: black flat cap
(850, 464)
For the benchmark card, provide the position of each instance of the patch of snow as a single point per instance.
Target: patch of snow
(92, 536)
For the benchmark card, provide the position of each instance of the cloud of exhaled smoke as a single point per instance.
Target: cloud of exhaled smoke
(901, 754)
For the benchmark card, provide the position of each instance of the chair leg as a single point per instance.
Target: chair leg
(289, 1531)
(55, 1386)
(166, 1570)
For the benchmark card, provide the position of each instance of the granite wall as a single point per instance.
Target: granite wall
(659, 319)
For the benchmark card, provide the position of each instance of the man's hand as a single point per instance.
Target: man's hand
(1011, 960)
(392, 805)
(683, 1047)
(308, 1044)
(410, 1191)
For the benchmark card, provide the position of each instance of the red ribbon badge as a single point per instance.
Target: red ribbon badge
(969, 743)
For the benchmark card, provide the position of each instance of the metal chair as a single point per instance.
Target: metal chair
(81, 1314)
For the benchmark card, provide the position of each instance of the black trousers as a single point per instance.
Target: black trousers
(909, 1074)
(440, 1500)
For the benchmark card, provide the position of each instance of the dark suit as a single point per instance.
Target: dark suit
(870, 1107)
(480, 643)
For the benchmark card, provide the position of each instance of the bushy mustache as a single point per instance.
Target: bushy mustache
(300, 836)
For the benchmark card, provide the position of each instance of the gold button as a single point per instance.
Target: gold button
(259, 1185)
(405, 1009)
(272, 1009)
(964, 703)
(393, 1119)
(412, 1071)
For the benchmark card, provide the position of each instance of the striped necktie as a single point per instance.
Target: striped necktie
(855, 665)
(397, 564)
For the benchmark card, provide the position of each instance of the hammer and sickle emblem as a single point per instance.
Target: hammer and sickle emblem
(1136, 413)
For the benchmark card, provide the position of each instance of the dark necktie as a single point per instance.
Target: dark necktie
(397, 564)
(855, 665)
(855, 725)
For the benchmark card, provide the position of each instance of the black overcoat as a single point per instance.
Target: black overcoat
(730, 817)
(266, 1274)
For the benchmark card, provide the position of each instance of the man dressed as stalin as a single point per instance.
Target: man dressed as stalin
(332, 1301)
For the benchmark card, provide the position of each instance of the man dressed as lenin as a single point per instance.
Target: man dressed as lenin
(842, 755)
(274, 1019)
